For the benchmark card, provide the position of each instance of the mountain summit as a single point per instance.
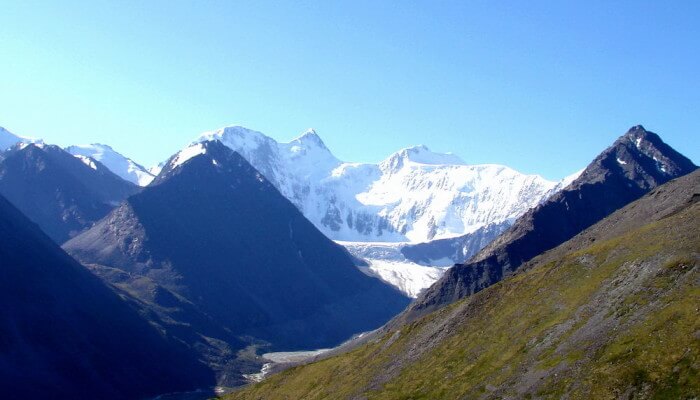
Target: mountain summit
(415, 195)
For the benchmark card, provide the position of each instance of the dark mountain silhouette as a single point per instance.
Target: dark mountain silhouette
(212, 230)
(65, 334)
(63, 195)
(637, 162)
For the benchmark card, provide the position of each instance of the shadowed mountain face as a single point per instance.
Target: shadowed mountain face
(637, 162)
(63, 195)
(65, 334)
(214, 231)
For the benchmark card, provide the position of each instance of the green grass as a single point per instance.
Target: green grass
(560, 329)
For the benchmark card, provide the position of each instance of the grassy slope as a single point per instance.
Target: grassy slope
(617, 319)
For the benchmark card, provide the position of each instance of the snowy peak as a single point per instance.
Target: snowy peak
(120, 165)
(9, 139)
(185, 155)
(206, 158)
(418, 155)
(414, 195)
(310, 139)
(237, 138)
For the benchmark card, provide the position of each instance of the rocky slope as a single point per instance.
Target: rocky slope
(636, 163)
(63, 195)
(67, 335)
(611, 313)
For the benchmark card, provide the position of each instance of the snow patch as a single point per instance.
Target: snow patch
(87, 161)
(188, 153)
(620, 161)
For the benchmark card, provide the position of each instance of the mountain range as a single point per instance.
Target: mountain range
(415, 196)
(229, 252)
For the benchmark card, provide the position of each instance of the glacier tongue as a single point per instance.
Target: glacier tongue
(385, 261)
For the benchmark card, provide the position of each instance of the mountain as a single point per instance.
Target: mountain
(57, 191)
(611, 313)
(637, 162)
(9, 139)
(67, 335)
(415, 195)
(215, 232)
(124, 167)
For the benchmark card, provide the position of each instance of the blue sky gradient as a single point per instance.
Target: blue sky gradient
(540, 86)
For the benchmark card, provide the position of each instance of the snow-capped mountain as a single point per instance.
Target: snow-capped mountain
(415, 195)
(9, 139)
(122, 166)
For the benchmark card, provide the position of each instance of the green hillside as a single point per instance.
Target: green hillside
(617, 317)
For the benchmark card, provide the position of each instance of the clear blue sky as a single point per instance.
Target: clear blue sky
(541, 86)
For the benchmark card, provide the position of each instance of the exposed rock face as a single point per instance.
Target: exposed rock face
(637, 162)
(63, 195)
(65, 334)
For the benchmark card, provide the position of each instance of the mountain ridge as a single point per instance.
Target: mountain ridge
(635, 163)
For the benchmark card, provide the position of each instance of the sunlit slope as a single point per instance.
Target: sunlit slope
(605, 315)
